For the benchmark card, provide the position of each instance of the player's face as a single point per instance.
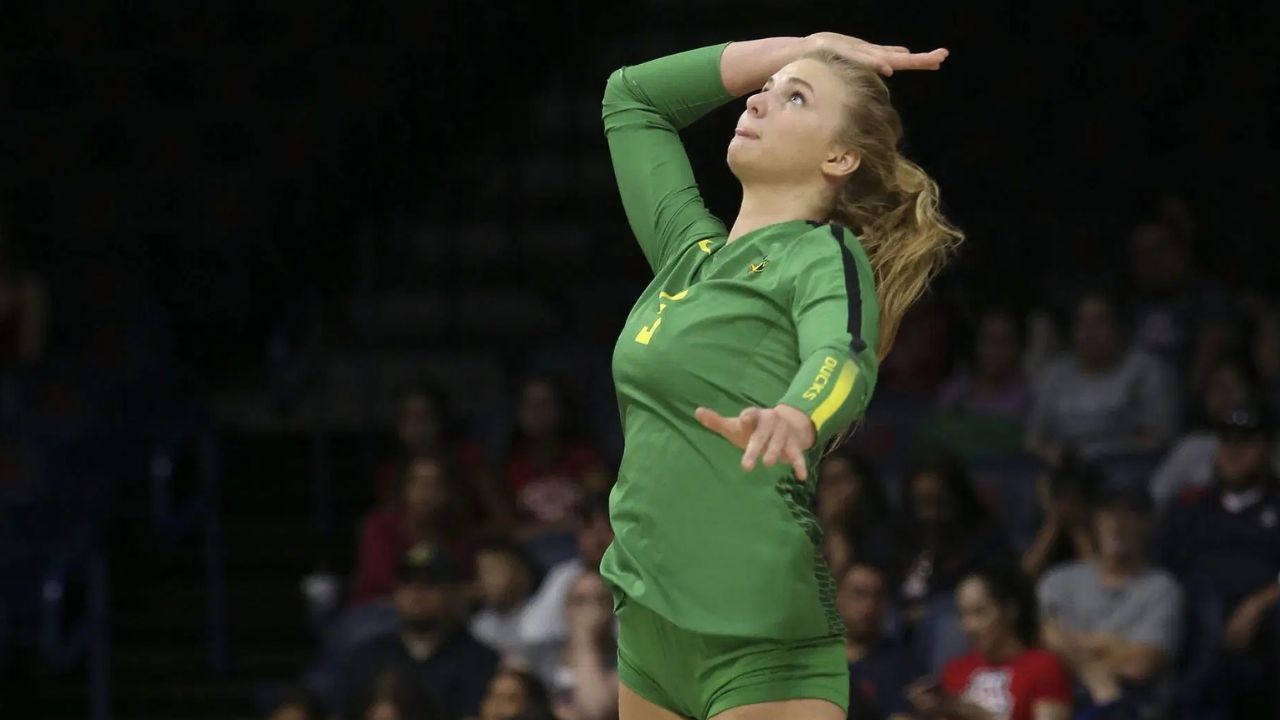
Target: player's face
(981, 617)
(788, 129)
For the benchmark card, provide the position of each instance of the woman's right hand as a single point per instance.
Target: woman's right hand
(885, 59)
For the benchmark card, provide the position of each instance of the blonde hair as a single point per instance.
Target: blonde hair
(889, 202)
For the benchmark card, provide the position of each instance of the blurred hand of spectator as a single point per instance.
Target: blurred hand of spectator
(1242, 627)
(1065, 496)
(506, 578)
(590, 655)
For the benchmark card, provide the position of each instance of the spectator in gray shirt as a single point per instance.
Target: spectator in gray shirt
(1116, 620)
(1104, 398)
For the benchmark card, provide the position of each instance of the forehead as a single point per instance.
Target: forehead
(809, 70)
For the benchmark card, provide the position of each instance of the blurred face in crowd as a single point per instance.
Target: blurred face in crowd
(503, 579)
(1159, 261)
(1242, 458)
(1225, 389)
(998, 352)
(540, 411)
(837, 550)
(589, 590)
(505, 699)
(861, 601)
(985, 623)
(418, 426)
(425, 607)
(593, 539)
(1121, 532)
(291, 712)
(838, 489)
(426, 490)
(930, 500)
(1097, 333)
(787, 133)
(383, 710)
(1071, 507)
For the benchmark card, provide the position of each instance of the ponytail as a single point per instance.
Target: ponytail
(889, 202)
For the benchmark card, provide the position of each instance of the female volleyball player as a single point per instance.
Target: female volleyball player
(758, 343)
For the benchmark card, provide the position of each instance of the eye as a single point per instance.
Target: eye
(796, 98)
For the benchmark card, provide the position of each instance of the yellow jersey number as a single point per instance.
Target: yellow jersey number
(646, 333)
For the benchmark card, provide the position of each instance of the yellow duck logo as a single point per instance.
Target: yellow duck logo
(758, 267)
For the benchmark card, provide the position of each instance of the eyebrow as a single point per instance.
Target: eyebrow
(797, 81)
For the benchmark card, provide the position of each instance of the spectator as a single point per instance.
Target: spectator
(426, 426)
(1066, 533)
(1103, 399)
(506, 579)
(395, 696)
(1266, 353)
(1224, 542)
(24, 310)
(1178, 316)
(546, 612)
(297, 704)
(549, 467)
(1116, 619)
(426, 513)
(432, 648)
(944, 533)
(992, 386)
(852, 509)
(879, 667)
(1189, 464)
(586, 684)
(1005, 675)
(515, 695)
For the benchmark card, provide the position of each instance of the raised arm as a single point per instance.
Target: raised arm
(645, 106)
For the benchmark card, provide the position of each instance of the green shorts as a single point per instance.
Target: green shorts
(699, 676)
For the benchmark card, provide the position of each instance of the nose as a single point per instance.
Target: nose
(756, 105)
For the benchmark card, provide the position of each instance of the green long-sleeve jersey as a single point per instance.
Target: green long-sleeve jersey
(784, 314)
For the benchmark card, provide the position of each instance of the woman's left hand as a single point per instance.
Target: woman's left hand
(770, 434)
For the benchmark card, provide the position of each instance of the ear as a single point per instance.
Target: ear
(841, 162)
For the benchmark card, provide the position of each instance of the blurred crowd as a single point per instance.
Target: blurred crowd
(1087, 514)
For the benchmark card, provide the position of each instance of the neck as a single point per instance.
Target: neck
(420, 645)
(772, 204)
(1005, 650)
(856, 648)
(1117, 568)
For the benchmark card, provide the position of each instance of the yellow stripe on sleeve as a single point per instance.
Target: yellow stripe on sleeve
(839, 393)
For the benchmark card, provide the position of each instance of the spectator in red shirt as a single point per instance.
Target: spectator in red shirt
(426, 426)
(425, 512)
(1005, 677)
(549, 467)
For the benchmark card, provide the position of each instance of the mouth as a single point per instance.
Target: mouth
(744, 132)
